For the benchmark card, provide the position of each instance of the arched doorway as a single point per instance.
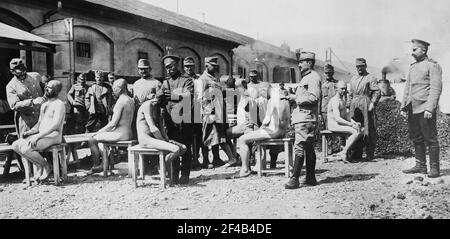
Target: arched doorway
(184, 52)
(142, 48)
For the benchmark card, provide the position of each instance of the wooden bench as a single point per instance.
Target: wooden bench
(136, 152)
(288, 144)
(72, 141)
(107, 147)
(327, 134)
(8, 150)
(59, 160)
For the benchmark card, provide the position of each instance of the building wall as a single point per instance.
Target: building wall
(115, 45)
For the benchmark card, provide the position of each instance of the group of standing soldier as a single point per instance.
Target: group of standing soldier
(185, 104)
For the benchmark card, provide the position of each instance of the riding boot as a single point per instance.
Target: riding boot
(293, 182)
(310, 179)
(434, 162)
(421, 163)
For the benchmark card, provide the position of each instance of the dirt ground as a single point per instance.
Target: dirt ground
(360, 190)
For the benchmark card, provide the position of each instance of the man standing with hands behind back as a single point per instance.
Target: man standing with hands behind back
(420, 101)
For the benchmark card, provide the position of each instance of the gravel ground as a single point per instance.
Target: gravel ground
(360, 190)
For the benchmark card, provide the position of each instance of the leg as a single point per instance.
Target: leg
(371, 140)
(141, 166)
(415, 133)
(429, 132)
(105, 159)
(95, 152)
(162, 169)
(302, 133)
(91, 122)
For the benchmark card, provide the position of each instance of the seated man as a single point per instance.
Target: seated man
(274, 125)
(337, 116)
(119, 128)
(150, 129)
(46, 132)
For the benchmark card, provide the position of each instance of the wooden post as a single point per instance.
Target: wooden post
(55, 166)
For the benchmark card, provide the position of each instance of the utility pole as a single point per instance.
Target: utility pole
(178, 10)
(328, 55)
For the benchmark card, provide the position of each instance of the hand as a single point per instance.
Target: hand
(404, 114)
(172, 141)
(371, 106)
(33, 141)
(29, 132)
(427, 115)
(39, 100)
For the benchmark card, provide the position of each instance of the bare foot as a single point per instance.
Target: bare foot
(46, 172)
(230, 163)
(38, 173)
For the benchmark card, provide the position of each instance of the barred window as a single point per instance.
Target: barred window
(83, 49)
(142, 55)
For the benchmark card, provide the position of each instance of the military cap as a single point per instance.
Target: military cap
(98, 73)
(143, 63)
(307, 55)
(82, 76)
(15, 62)
(212, 60)
(253, 73)
(328, 68)
(420, 43)
(360, 62)
(189, 61)
(167, 59)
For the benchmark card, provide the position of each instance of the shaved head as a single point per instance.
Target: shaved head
(341, 84)
(119, 86)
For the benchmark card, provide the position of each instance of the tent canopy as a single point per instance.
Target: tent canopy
(9, 34)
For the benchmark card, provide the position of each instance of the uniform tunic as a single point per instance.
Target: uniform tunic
(20, 95)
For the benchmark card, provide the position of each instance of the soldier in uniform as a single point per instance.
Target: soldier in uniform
(420, 102)
(24, 96)
(98, 102)
(305, 120)
(214, 132)
(178, 91)
(143, 87)
(189, 72)
(328, 91)
(364, 95)
(76, 97)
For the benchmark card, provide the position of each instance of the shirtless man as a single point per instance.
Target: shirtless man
(45, 133)
(119, 128)
(150, 129)
(274, 125)
(337, 116)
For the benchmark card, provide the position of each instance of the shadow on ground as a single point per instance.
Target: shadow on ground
(349, 178)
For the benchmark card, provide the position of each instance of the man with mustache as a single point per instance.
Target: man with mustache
(420, 101)
(24, 96)
(45, 133)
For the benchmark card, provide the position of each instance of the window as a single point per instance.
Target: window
(83, 50)
(142, 55)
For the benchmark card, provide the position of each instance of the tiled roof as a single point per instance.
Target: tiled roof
(159, 14)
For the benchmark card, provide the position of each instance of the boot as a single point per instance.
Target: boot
(310, 179)
(293, 182)
(434, 162)
(421, 166)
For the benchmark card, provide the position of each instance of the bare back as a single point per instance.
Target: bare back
(125, 107)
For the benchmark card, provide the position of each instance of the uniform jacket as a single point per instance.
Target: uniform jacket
(423, 86)
(20, 95)
(98, 103)
(307, 98)
(180, 85)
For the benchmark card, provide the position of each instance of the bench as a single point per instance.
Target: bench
(72, 141)
(107, 147)
(8, 150)
(136, 152)
(288, 144)
(327, 134)
(59, 160)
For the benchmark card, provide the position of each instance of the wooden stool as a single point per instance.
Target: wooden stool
(59, 159)
(8, 150)
(326, 134)
(136, 153)
(288, 149)
(107, 146)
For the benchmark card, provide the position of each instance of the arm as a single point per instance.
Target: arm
(269, 111)
(117, 114)
(435, 88)
(70, 93)
(87, 98)
(376, 93)
(15, 103)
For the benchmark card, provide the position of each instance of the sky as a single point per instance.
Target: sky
(378, 30)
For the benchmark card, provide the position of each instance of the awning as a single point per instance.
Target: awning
(13, 33)
(14, 38)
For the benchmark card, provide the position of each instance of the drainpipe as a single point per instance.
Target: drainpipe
(52, 12)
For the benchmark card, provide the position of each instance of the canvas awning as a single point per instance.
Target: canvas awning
(11, 37)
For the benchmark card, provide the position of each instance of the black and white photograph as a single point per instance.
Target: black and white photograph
(214, 109)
